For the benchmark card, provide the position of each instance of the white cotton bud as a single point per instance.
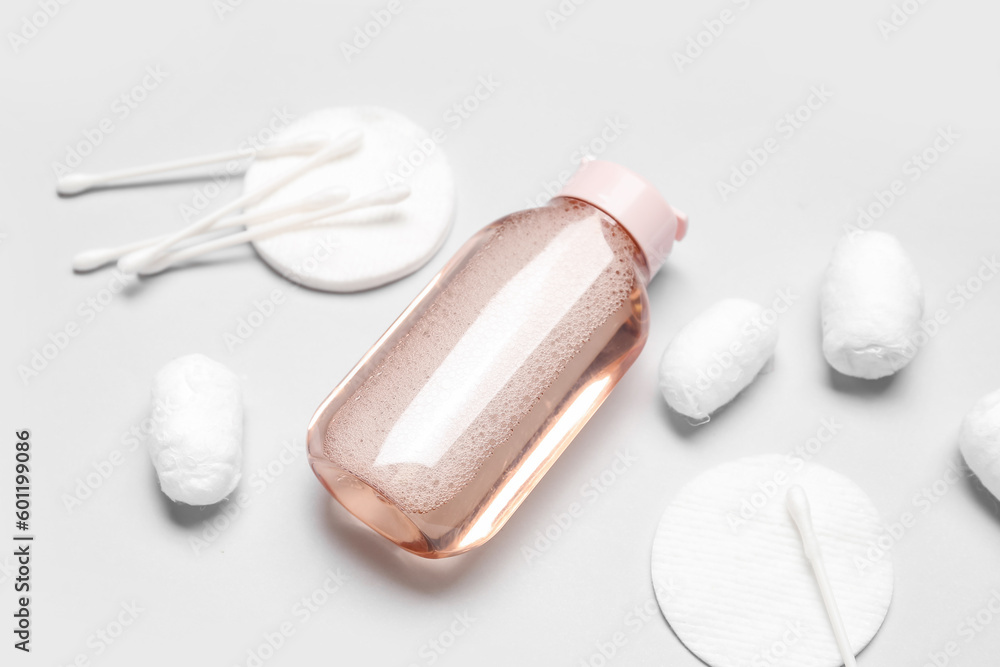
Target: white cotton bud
(197, 442)
(871, 304)
(715, 356)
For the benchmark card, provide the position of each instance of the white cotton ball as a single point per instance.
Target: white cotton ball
(715, 356)
(979, 441)
(871, 304)
(197, 443)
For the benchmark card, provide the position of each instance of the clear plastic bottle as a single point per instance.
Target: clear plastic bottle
(449, 421)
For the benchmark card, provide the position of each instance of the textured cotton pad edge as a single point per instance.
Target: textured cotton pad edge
(371, 247)
(735, 588)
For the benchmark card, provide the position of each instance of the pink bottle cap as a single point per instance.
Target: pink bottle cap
(634, 203)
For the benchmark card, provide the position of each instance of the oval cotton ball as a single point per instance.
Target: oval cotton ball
(871, 303)
(715, 356)
(197, 439)
(979, 441)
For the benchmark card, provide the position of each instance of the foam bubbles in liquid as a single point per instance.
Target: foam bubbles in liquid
(568, 300)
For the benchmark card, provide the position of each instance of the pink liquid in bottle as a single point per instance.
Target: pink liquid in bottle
(449, 421)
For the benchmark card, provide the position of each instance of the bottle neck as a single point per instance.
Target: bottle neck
(634, 203)
(642, 264)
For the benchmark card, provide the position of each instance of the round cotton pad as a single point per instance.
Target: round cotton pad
(369, 247)
(733, 581)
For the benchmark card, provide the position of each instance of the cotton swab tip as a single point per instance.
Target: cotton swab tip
(155, 266)
(797, 504)
(392, 195)
(74, 184)
(135, 261)
(88, 260)
(309, 143)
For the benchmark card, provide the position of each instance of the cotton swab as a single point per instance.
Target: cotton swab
(346, 143)
(797, 504)
(73, 184)
(88, 260)
(382, 197)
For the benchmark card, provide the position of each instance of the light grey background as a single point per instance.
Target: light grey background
(686, 130)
